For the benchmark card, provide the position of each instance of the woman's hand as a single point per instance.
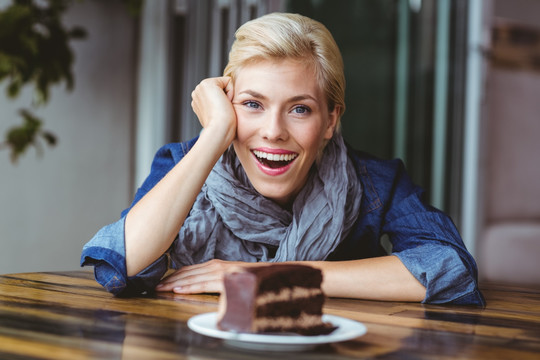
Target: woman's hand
(201, 278)
(212, 102)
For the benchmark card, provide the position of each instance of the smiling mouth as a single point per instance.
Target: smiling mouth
(274, 161)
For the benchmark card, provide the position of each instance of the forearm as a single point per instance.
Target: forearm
(152, 224)
(380, 278)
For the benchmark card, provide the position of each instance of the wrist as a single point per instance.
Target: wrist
(217, 139)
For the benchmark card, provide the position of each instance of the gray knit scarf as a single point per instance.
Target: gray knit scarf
(230, 220)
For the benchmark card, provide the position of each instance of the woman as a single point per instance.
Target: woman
(270, 179)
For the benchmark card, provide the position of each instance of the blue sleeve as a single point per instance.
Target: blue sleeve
(106, 250)
(429, 245)
(106, 253)
(164, 160)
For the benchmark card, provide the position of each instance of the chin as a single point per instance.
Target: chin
(279, 196)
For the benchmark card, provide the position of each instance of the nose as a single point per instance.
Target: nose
(274, 127)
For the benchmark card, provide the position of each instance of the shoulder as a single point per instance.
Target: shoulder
(366, 163)
(383, 181)
(169, 155)
(164, 160)
(174, 151)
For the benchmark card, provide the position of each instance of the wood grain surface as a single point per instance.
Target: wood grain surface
(67, 315)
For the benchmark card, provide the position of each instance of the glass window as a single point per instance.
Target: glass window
(405, 67)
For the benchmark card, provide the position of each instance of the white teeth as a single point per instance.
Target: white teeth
(274, 157)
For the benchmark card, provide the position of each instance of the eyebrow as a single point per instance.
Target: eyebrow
(258, 95)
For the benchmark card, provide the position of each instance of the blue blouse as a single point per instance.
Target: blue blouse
(422, 237)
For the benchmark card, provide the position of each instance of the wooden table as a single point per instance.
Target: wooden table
(68, 316)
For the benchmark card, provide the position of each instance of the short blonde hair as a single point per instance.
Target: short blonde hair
(280, 36)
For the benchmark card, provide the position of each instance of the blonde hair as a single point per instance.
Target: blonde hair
(280, 36)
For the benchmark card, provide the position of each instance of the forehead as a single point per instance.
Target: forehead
(279, 76)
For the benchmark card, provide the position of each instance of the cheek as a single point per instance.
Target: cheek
(313, 138)
(244, 132)
(240, 134)
(243, 126)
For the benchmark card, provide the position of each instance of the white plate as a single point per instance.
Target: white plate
(347, 329)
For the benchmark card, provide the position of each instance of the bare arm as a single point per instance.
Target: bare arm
(381, 278)
(152, 224)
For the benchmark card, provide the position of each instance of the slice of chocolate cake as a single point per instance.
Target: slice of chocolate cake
(273, 298)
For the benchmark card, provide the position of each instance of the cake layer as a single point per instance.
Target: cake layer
(288, 294)
(292, 308)
(275, 277)
(273, 298)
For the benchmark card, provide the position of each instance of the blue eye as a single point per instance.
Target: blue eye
(252, 104)
(301, 109)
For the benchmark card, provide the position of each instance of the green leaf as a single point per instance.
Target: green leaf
(34, 46)
(50, 138)
(20, 138)
(14, 88)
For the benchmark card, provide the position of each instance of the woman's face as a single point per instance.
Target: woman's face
(283, 121)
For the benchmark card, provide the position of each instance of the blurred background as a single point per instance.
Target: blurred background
(449, 86)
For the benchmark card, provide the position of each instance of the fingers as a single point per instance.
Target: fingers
(220, 89)
(212, 98)
(206, 277)
(212, 103)
(189, 274)
(211, 286)
(193, 285)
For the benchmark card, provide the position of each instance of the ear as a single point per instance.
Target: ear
(332, 123)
